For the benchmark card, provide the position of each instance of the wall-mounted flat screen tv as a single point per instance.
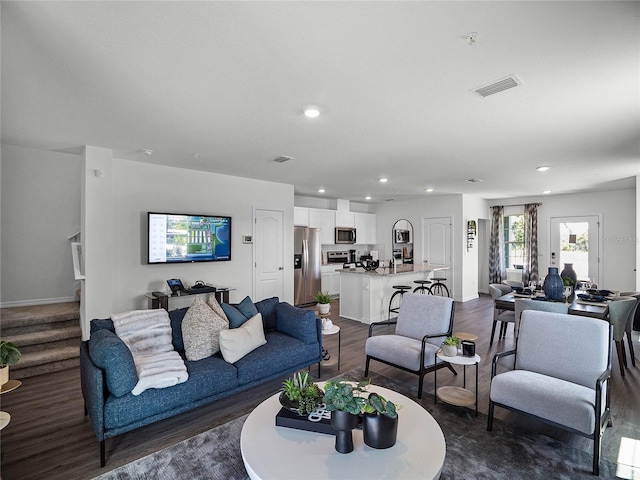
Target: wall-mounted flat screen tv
(188, 238)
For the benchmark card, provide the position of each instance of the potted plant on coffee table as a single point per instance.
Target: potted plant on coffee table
(345, 402)
(9, 355)
(379, 421)
(324, 302)
(300, 394)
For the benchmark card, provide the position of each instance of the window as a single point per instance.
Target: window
(514, 241)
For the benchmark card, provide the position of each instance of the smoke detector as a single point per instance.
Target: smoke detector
(471, 38)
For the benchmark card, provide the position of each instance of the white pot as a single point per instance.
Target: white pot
(4, 374)
(450, 350)
(324, 308)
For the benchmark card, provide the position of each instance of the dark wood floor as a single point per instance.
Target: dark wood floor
(49, 437)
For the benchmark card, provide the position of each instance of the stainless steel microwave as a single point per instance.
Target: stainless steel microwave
(345, 235)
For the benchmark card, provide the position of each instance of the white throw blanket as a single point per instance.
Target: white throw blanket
(147, 333)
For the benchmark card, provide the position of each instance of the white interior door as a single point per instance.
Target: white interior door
(576, 240)
(436, 245)
(269, 254)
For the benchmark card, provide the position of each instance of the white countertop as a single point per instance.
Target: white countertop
(399, 270)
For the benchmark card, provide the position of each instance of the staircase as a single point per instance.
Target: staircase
(48, 336)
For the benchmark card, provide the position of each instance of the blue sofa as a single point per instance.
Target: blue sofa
(294, 342)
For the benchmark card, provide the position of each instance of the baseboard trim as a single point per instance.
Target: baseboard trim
(39, 301)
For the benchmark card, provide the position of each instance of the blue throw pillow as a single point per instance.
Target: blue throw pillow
(240, 313)
(268, 308)
(110, 353)
(247, 308)
(235, 316)
(298, 322)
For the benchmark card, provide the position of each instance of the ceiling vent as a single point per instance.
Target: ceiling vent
(282, 159)
(498, 86)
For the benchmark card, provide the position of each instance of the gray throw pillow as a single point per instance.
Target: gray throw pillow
(201, 329)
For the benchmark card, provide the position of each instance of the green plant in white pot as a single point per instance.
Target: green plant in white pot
(9, 355)
(450, 346)
(324, 302)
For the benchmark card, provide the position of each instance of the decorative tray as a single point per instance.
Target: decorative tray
(320, 423)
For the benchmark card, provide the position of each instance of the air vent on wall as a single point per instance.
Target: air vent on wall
(498, 86)
(282, 159)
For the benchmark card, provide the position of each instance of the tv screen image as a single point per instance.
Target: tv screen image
(187, 238)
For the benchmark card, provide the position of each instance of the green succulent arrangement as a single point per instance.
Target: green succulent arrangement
(301, 388)
(9, 354)
(452, 340)
(567, 282)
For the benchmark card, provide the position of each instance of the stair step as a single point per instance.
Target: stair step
(14, 317)
(35, 338)
(31, 359)
(43, 368)
(38, 327)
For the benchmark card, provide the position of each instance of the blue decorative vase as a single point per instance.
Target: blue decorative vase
(553, 286)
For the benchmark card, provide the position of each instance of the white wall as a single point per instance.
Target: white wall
(134, 189)
(617, 209)
(474, 209)
(40, 209)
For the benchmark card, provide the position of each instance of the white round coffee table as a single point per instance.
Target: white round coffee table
(271, 452)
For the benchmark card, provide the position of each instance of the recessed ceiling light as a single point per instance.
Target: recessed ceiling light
(428, 190)
(474, 180)
(547, 192)
(311, 112)
(147, 151)
(321, 190)
(367, 197)
(196, 156)
(383, 180)
(542, 168)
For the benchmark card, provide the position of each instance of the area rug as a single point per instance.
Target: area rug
(472, 452)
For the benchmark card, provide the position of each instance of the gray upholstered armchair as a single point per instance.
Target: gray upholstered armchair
(422, 324)
(563, 383)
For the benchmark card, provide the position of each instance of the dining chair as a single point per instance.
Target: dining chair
(634, 317)
(497, 290)
(620, 311)
(565, 384)
(523, 304)
(423, 322)
(513, 283)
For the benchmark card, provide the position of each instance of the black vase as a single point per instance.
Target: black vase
(343, 423)
(569, 272)
(379, 430)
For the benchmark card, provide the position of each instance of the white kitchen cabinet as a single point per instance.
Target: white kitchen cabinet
(301, 216)
(325, 220)
(330, 280)
(365, 224)
(345, 219)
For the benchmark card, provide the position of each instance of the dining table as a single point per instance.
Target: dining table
(577, 306)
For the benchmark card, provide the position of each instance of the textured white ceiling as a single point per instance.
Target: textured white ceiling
(393, 80)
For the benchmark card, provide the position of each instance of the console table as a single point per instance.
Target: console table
(161, 299)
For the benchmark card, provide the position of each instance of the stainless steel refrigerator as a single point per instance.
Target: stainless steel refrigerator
(306, 268)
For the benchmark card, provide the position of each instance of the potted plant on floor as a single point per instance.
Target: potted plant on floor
(300, 394)
(345, 402)
(450, 346)
(9, 355)
(379, 422)
(324, 302)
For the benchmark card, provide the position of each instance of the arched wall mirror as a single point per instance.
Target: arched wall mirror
(402, 241)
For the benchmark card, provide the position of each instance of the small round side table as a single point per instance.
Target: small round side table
(332, 331)
(460, 397)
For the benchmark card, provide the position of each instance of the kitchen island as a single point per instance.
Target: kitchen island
(364, 295)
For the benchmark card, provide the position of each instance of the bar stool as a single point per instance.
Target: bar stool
(439, 288)
(399, 290)
(422, 286)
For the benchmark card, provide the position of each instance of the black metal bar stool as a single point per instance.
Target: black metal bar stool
(422, 286)
(400, 290)
(439, 288)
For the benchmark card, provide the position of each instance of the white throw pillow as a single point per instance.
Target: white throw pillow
(235, 343)
(201, 327)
